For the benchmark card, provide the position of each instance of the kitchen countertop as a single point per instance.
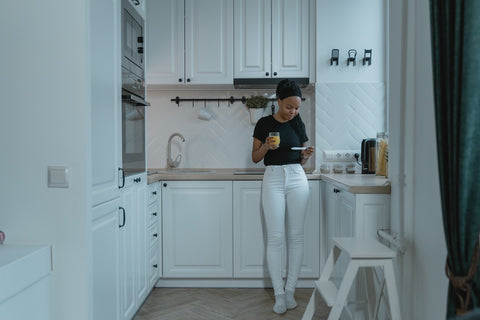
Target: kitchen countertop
(354, 183)
(21, 266)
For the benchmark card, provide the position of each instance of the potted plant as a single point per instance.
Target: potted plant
(256, 106)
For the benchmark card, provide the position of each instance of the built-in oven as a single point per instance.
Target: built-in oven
(133, 92)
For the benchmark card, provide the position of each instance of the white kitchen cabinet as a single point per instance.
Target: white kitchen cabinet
(250, 235)
(133, 273)
(271, 39)
(105, 244)
(197, 229)
(106, 156)
(105, 100)
(153, 234)
(189, 42)
(353, 215)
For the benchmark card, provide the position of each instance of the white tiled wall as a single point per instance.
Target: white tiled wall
(224, 141)
(346, 113)
(337, 116)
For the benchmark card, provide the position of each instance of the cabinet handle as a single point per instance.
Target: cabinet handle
(155, 235)
(123, 212)
(164, 184)
(155, 265)
(140, 49)
(179, 79)
(188, 79)
(267, 74)
(274, 73)
(154, 192)
(121, 174)
(154, 214)
(140, 39)
(335, 190)
(137, 180)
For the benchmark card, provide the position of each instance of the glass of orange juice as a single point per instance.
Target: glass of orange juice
(276, 138)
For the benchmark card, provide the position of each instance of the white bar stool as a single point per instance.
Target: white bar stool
(361, 253)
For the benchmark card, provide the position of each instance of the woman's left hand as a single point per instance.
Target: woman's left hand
(308, 152)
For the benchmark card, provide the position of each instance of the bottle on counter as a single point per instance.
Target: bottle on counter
(381, 149)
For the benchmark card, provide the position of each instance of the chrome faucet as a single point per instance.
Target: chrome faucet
(170, 162)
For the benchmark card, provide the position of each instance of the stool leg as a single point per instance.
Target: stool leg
(342, 293)
(392, 290)
(310, 309)
(329, 265)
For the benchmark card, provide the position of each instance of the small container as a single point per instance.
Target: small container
(338, 168)
(325, 168)
(380, 148)
(350, 168)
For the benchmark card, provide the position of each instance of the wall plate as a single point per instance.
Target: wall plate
(58, 177)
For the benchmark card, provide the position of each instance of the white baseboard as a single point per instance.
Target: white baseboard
(225, 283)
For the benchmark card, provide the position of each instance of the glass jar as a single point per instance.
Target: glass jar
(380, 152)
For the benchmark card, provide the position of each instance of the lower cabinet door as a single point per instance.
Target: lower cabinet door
(197, 229)
(248, 230)
(105, 230)
(127, 242)
(250, 236)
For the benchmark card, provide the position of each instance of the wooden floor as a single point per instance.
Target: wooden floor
(222, 304)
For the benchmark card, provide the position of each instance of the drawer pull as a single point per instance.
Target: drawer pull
(154, 214)
(155, 265)
(154, 192)
(336, 190)
(155, 235)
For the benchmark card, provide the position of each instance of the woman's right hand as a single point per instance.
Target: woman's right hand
(270, 143)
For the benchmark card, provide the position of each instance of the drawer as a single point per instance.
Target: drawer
(153, 192)
(153, 214)
(154, 266)
(152, 235)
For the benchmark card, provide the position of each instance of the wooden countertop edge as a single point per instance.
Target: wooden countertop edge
(353, 183)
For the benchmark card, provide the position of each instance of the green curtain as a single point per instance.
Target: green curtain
(455, 30)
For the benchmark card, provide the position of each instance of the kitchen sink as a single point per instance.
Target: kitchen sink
(186, 171)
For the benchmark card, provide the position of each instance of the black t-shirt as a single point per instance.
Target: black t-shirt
(289, 137)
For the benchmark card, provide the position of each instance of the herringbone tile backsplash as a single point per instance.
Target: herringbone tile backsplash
(337, 116)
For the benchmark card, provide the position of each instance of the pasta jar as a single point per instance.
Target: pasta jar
(380, 150)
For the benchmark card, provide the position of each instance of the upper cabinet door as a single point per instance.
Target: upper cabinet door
(290, 35)
(189, 42)
(209, 41)
(253, 45)
(164, 42)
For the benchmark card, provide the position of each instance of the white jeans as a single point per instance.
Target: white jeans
(285, 195)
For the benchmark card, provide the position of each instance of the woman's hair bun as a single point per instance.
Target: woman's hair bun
(287, 88)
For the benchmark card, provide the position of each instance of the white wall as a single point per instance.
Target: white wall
(350, 100)
(416, 204)
(45, 121)
(345, 25)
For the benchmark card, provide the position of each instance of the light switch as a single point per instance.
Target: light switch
(58, 177)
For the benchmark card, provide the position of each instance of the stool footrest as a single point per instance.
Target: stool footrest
(328, 290)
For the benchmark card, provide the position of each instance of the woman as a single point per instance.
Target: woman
(285, 189)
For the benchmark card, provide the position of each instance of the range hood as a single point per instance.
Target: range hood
(265, 83)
